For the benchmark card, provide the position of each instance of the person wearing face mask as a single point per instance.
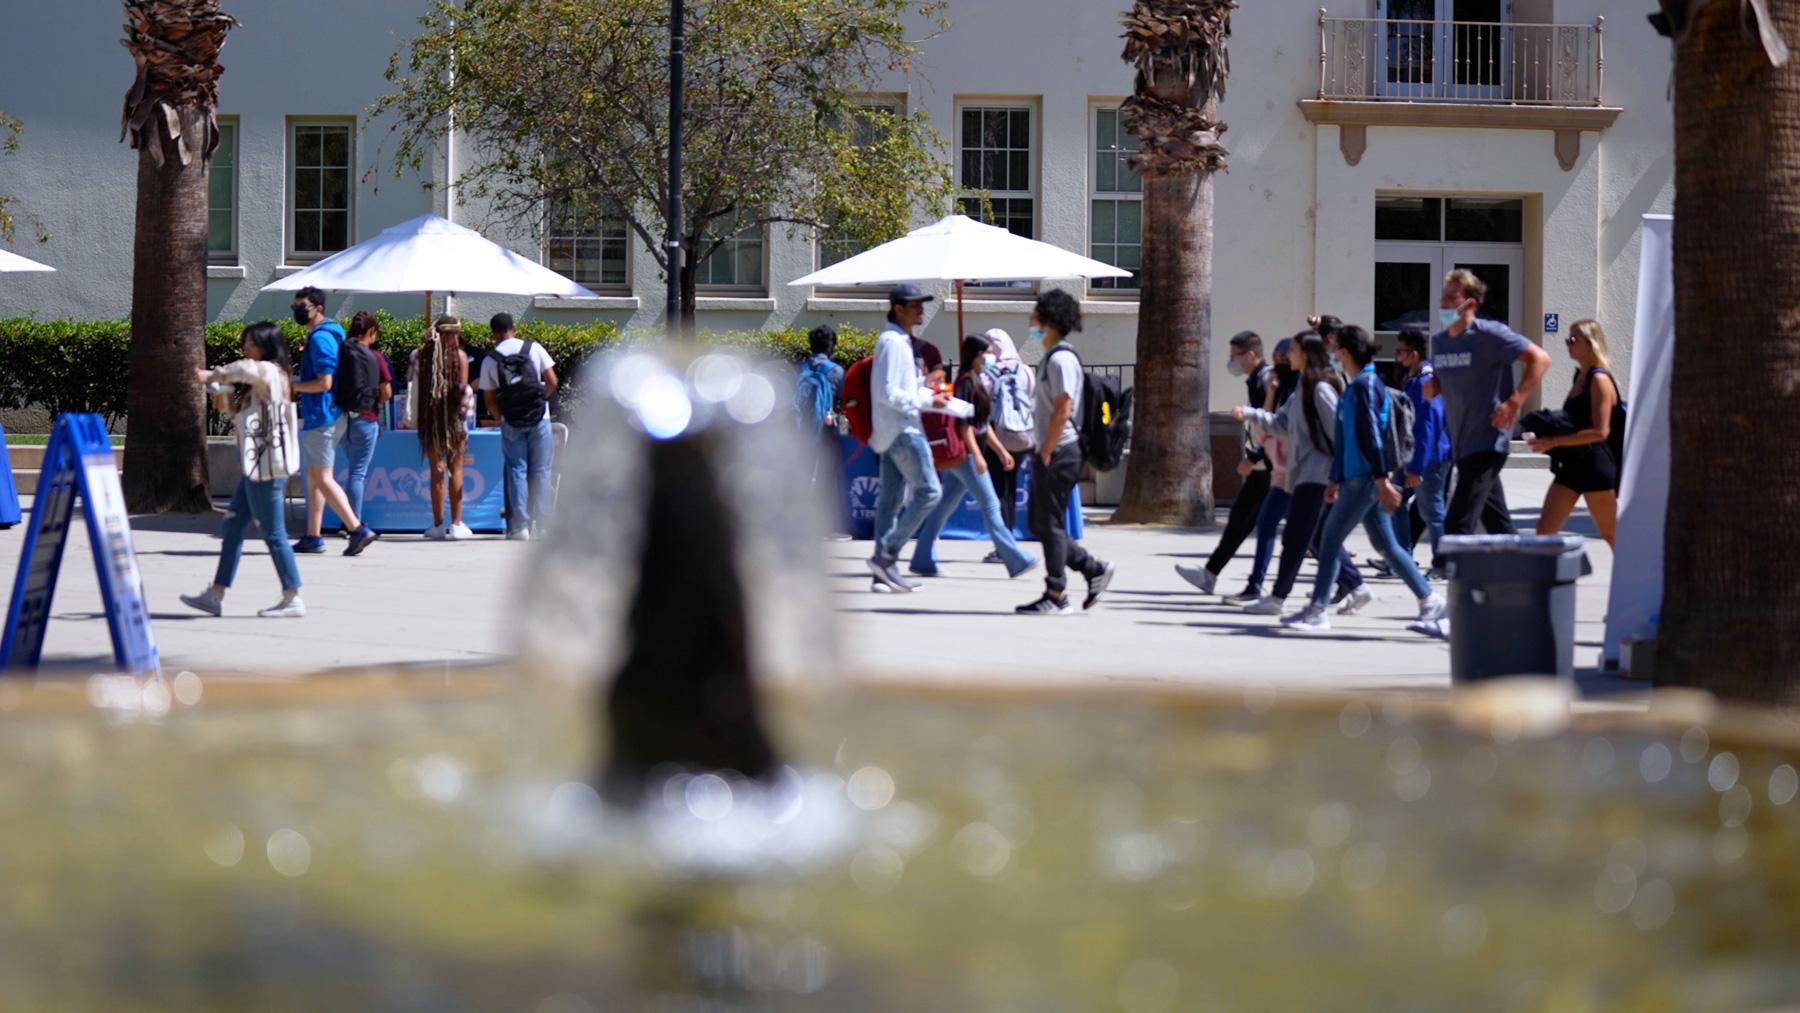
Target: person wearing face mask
(1246, 361)
(322, 427)
(1473, 362)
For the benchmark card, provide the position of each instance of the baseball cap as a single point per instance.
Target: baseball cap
(908, 292)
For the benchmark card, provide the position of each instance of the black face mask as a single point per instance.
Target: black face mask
(302, 315)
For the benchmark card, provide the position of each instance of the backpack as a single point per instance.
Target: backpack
(1615, 440)
(520, 388)
(1105, 422)
(945, 440)
(1013, 414)
(859, 399)
(357, 384)
(1400, 440)
(813, 396)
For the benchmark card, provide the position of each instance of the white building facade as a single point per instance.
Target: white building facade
(1372, 148)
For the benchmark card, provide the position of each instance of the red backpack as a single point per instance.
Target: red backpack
(859, 399)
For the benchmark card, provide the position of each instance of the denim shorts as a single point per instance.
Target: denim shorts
(318, 447)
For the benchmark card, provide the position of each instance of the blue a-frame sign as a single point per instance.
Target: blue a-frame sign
(79, 463)
(9, 493)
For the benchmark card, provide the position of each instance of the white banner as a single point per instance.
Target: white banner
(1637, 577)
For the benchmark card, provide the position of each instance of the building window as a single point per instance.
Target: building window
(1116, 210)
(866, 130)
(319, 191)
(994, 149)
(737, 263)
(587, 245)
(222, 197)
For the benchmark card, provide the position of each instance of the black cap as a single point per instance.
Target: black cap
(906, 292)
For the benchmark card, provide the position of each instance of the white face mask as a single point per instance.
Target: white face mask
(1234, 367)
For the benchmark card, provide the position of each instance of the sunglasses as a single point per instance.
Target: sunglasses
(1571, 341)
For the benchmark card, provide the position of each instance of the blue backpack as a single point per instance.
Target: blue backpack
(813, 397)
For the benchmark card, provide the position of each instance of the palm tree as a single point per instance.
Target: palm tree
(170, 119)
(1178, 48)
(1731, 600)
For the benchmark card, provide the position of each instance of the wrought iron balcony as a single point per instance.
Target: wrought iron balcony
(1464, 62)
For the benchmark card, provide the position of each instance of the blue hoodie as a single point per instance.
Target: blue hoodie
(1361, 425)
(1431, 438)
(321, 359)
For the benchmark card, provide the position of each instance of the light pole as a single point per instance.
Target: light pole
(677, 50)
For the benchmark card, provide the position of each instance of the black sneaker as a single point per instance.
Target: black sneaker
(360, 540)
(886, 577)
(1097, 585)
(310, 545)
(1046, 606)
(1244, 597)
(1381, 568)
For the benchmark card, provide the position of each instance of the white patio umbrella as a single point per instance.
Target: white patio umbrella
(960, 249)
(10, 262)
(431, 254)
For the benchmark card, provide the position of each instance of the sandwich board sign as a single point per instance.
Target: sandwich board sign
(9, 494)
(78, 463)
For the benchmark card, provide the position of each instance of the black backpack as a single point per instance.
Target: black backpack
(1399, 441)
(357, 385)
(1105, 421)
(520, 388)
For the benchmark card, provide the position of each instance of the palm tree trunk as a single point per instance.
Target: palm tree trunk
(1169, 480)
(1731, 572)
(165, 447)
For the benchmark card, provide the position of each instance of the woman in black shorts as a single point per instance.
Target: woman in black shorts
(1582, 461)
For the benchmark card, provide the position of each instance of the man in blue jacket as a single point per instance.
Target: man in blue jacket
(322, 426)
(1427, 475)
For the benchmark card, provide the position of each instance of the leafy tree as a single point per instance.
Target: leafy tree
(565, 103)
(10, 129)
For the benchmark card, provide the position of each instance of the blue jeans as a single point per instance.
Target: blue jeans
(1359, 503)
(259, 501)
(1429, 498)
(1268, 526)
(956, 481)
(360, 448)
(905, 464)
(529, 453)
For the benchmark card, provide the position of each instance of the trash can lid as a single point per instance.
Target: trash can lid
(1528, 545)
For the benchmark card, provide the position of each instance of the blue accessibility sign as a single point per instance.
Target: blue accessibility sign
(78, 463)
(1552, 323)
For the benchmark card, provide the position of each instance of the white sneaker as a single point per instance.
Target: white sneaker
(437, 532)
(287, 608)
(521, 535)
(1311, 619)
(1359, 599)
(206, 601)
(1266, 606)
(460, 532)
(1432, 608)
(1199, 576)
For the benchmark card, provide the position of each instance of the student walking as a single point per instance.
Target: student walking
(518, 379)
(969, 474)
(1013, 387)
(1275, 505)
(1428, 473)
(322, 427)
(444, 406)
(818, 390)
(263, 417)
(1305, 421)
(1472, 360)
(1246, 361)
(898, 391)
(365, 425)
(1056, 465)
(1582, 461)
(1360, 488)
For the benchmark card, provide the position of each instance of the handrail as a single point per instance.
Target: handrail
(1420, 60)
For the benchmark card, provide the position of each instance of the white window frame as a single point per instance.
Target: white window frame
(896, 105)
(1095, 195)
(227, 256)
(1033, 108)
(291, 211)
(624, 238)
(729, 248)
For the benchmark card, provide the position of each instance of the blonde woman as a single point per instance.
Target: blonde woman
(1582, 461)
(439, 376)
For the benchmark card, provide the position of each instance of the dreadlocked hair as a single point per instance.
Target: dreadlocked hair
(440, 408)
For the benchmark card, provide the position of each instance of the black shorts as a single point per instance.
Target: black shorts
(1585, 469)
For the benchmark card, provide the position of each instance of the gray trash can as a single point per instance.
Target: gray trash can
(1512, 604)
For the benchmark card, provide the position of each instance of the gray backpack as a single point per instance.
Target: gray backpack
(1013, 414)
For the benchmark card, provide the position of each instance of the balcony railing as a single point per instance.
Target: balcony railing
(1387, 60)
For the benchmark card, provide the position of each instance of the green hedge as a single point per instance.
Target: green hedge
(83, 366)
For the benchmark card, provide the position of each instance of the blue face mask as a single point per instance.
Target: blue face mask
(1448, 317)
(1036, 333)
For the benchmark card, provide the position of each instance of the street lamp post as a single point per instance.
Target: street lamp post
(677, 51)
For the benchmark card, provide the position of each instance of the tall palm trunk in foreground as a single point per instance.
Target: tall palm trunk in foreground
(1178, 47)
(170, 119)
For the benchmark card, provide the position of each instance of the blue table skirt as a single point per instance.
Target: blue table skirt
(861, 475)
(397, 495)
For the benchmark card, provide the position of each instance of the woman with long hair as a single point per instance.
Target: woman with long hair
(970, 473)
(1582, 462)
(1305, 422)
(439, 374)
(267, 438)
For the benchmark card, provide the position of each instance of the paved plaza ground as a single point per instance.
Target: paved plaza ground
(410, 601)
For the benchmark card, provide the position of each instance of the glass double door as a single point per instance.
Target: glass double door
(1409, 278)
(1444, 49)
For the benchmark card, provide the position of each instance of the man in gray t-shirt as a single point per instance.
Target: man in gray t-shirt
(1474, 359)
(1056, 464)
